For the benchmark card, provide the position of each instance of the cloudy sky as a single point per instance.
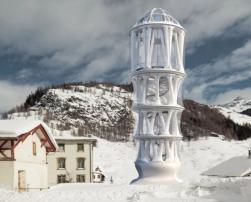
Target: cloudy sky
(55, 41)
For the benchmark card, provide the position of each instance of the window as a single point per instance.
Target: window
(80, 147)
(61, 179)
(34, 148)
(61, 147)
(80, 178)
(61, 163)
(80, 163)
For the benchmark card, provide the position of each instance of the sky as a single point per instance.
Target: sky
(55, 41)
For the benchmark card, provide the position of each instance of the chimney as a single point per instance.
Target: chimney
(249, 153)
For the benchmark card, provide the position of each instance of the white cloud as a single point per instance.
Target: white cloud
(13, 94)
(105, 62)
(223, 72)
(230, 95)
(65, 34)
(68, 33)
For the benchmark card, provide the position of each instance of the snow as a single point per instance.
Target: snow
(239, 104)
(235, 116)
(16, 127)
(66, 135)
(232, 110)
(80, 105)
(238, 166)
(116, 159)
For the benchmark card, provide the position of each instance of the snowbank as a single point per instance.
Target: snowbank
(117, 160)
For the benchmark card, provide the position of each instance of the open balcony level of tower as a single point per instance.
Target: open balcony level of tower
(157, 88)
(158, 124)
(154, 47)
(162, 150)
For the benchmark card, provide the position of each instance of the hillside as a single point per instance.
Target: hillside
(104, 109)
(239, 104)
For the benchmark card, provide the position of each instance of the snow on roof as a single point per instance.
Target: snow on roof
(66, 135)
(15, 127)
(239, 166)
(74, 138)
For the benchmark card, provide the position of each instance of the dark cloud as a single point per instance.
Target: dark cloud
(64, 40)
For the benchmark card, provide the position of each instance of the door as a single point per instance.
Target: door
(21, 180)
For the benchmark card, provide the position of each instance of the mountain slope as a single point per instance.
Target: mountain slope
(247, 112)
(105, 111)
(239, 104)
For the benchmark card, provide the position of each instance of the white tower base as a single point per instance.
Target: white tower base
(156, 172)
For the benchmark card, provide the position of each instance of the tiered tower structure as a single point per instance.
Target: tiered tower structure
(157, 45)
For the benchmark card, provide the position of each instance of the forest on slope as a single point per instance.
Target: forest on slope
(104, 109)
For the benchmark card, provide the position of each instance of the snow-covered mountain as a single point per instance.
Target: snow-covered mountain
(236, 110)
(104, 110)
(100, 109)
(239, 104)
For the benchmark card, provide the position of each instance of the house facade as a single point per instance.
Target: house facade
(98, 176)
(73, 161)
(24, 145)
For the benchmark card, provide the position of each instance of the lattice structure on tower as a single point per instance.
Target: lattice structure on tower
(157, 73)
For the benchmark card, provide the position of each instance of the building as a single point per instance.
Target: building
(239, 166)
(98, 176)
(24, 145)
(73, 161)
(157, 73)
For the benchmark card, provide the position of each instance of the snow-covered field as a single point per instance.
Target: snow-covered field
(117, 159)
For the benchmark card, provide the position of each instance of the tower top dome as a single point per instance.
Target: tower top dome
(157, 15)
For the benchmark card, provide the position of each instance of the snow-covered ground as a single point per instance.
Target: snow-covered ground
(117, 160)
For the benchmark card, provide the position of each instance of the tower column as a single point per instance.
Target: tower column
(159, 54)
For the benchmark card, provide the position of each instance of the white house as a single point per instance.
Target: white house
(98, 176)
(73, 161)
(24, 145)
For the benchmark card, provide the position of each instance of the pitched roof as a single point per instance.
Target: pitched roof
(239, 166)
(14, 128)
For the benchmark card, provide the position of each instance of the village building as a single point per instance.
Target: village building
(238, 166)
(24, 145)
(98, 176)
(73, 161)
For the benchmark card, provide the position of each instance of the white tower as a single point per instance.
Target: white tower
(157, 44)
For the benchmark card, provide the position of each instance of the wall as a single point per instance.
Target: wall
(6, 174)
(23, 151)
(71, 154)
(35, 166)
